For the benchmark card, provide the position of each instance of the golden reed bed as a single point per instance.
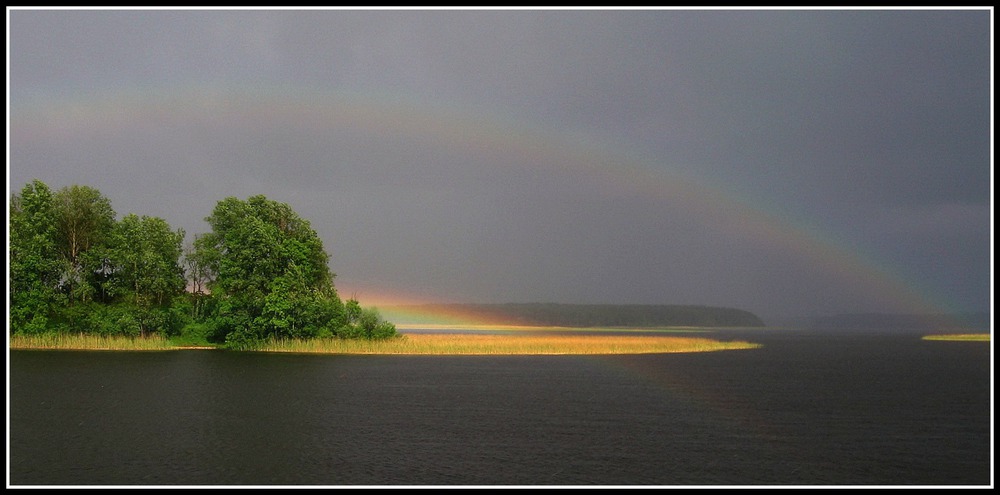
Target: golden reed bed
(441, 344)
(89, 342)
(479, 344)
(412, 344)
(977, 337)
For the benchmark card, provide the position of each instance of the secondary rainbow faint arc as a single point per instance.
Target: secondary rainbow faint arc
(580, 156)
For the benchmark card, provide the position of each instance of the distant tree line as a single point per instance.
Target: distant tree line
(607, 315)
(261, 273)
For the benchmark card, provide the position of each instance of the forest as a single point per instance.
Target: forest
(261, 274)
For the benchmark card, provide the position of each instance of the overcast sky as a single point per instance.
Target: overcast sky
(790, 163)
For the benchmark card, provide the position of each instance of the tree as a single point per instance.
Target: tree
(143, 254)
(84, 220)
(271, 275)
(34, 258)
(198, 270)
(146, 254)
(197, 267)
(365, 323)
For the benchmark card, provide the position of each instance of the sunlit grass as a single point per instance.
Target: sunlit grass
(410, 344)
(960, 337)
(476, 344)
(90, 342)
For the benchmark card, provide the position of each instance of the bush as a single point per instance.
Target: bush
(350, 331)
(241, 339)
(384, 330)
(192, 334)
(37, 324)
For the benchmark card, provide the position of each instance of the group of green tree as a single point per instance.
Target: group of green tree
(260, 274)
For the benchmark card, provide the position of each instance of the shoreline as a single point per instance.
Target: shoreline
(437, 340)
(422, 344)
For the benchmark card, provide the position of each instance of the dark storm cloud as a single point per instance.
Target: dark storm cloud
(869, 128)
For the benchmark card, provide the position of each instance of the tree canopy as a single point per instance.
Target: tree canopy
(34, 257)
(271, 275)
(260, 274)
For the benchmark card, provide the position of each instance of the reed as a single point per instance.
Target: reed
(477, 344)
(960, 337)
(411, 344)
(90, 342)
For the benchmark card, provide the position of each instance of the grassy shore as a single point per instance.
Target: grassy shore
(464, 328)
(490, 344)
(90, 342)
(412, 344)
(960, 337)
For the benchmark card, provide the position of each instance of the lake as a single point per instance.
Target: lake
(806, 409)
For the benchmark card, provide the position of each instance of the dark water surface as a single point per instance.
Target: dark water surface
(806, 409)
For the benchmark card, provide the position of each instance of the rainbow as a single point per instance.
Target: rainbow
(574, 155)
(410, 317)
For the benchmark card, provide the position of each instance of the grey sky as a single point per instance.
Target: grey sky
(784, 162)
